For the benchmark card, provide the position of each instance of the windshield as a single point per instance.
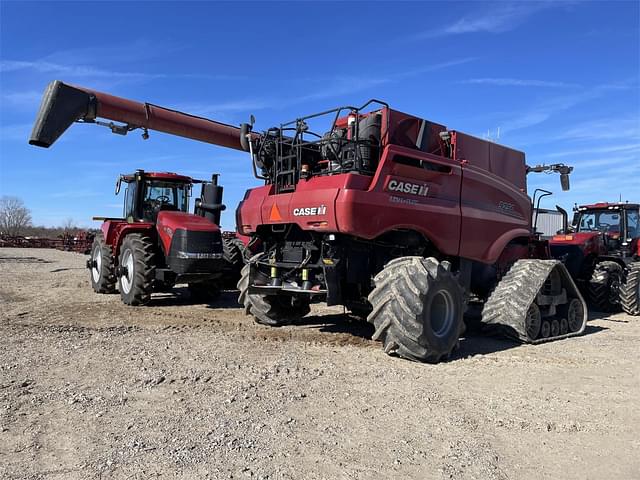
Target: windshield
(599, 221)
(166, 195)
(633, 223)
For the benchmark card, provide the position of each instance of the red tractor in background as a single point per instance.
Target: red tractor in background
(158, 243)
(402, 220)
(601, 250)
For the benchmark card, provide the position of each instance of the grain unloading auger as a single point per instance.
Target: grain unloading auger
(401, 220)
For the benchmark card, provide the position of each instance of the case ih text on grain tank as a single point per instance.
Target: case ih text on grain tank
(400, 219)
(601, 250)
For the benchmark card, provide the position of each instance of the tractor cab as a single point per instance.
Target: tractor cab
(149, 193)
(619, 223)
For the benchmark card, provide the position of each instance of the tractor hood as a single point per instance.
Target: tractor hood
(169, 222)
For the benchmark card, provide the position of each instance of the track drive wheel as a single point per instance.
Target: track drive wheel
(273, 310)
(604, 286)
(418, 309)
(630, 289)
(136, 269)
(101, 266)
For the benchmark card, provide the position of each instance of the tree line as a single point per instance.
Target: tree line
(15, 220)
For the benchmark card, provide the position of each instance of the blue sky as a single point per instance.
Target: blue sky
(560, 81)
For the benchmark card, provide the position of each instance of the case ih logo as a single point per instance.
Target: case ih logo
(309, 211)
(419, 189)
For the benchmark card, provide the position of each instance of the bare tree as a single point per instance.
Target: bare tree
(69, 225)
(14, 216)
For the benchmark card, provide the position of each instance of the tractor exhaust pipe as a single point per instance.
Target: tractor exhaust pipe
(64, 104)
(61, 106)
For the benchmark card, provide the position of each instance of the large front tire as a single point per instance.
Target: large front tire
(272, 310)
(417, 310)
(136, 269)
(101, 266)
(604, 286)
(630, 289)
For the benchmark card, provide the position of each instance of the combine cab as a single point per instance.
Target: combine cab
(601, 250)
(401, 220)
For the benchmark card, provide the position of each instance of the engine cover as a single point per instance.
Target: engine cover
(192, 244)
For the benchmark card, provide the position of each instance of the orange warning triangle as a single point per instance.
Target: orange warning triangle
(275, 213)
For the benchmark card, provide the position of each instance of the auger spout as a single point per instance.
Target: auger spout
(64, 104)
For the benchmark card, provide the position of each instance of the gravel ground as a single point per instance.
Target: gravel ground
(90, 389)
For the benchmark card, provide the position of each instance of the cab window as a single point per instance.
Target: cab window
(633, 223)
(128, 201)
(601, 221)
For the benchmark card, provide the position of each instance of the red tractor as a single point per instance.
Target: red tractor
(601, 250)
(401, 220)
(158, 243)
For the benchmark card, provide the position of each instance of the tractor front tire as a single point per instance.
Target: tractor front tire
(272, 310)
(102, 268)
(630, 289)
(136, 269)
(417, 310)
(604, 286)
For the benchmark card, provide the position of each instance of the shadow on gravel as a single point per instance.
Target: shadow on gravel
(337, 323)
(477, 343)
(605, 316)
(4, 259)
(181, 297)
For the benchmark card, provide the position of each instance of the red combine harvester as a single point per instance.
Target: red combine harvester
(399, 219)
(601, 250)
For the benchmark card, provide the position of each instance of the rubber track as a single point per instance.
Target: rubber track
(630, 289)
(506, 309)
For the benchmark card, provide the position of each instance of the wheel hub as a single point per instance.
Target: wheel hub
(96, 264)
(441, 313)
(126, 271)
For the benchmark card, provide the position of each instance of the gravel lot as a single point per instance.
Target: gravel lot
(90, 389)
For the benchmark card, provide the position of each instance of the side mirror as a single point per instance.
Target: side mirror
(118, 183)
(564, 181)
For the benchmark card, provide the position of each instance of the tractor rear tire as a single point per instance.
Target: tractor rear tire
(630, 289)
(204, 291)
(137, 269)
(103, 277)
(605, 296)
(272, 310)
(235, 254)
(418, 309)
